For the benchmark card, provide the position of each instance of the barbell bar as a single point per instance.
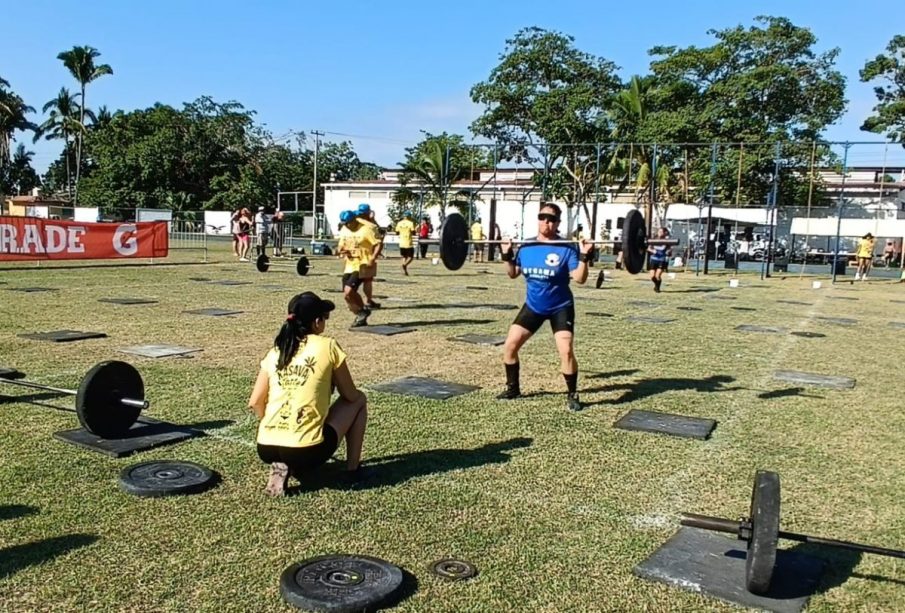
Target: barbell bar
(761, 532)
(454, 242)
(108, 401)
(301, 266)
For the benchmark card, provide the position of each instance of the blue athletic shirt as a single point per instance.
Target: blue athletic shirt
(546, 270)
(659, 253)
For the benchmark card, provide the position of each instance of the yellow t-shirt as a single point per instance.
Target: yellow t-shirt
(360, 244)
(866, 248)
(477, 232)
(299, 395)
(405, 229)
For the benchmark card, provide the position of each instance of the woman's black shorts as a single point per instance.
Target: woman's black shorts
(301, 459)
(561, 320)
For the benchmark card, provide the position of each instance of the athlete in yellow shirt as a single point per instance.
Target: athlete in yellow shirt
(865, 256)
(477, 234)
(406, 230)
(299, 428)
(356, 244)
(369, 271)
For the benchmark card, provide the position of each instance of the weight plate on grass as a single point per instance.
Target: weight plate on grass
(454, 570)
(453, 250)
(340, 583)
(302, 266)
(634, 242)
(97, 401)
(159, 478)
(764, 535)
(262, 263)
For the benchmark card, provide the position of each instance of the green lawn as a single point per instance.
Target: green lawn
(554, 508)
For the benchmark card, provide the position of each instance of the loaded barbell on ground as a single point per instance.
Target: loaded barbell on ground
(301, 266)
(761, 531)
(454, 242)
(108, 402)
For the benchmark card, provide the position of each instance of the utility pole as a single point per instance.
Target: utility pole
(317, 145)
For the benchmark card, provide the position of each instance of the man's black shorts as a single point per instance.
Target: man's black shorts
(407, 252)
(350, 279)
(562, 320)
(659, 264)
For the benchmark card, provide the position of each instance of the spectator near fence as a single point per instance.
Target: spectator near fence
(425, 229)
(278, 233)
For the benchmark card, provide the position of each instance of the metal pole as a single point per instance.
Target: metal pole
(771, 215)
(841, 206)
(713, 152)
(596, 196)
(317, 146)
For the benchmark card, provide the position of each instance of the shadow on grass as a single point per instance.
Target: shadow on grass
(460, 305)
(397, 469)
(36, 399)
(839, 564)
(699, 290)
(18, 557)
(215, 424)
(13, 511)
(441, 322)
(651, 387)
(786, 393)
(407, 590)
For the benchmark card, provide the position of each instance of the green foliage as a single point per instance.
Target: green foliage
(544, 102)
(889, 113)
(18, 177)
(763, 84)
(13, 111)
(432, 167)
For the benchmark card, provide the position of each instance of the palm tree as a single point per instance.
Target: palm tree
(12, 117)
(21, 174)
(637, 164)
(433, 169)
(80, 62)
(62, 123)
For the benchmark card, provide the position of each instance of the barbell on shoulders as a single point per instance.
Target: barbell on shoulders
(454, 242)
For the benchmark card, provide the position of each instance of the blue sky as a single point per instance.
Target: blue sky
(381, 71)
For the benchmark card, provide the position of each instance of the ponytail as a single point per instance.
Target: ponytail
(288, 340)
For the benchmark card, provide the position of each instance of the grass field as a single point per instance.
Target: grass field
(554, 508)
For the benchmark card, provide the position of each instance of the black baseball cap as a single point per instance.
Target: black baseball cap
(308, 306)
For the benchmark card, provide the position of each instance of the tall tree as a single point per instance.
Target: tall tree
(80, 63)
(761, 84)
(546, 102)
(435, 164)
(62, 123)
(889, 69)
(20, 176)
(13, 111)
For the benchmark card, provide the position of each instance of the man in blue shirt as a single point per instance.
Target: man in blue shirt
(547, 268)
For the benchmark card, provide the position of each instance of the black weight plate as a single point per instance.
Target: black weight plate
(634, 242)
(262, 263)
(454, 570)
(453, 233)
(160, 478)
(600, 279)
(764, 532)
(302, 266)
(97, 401)
(340, 583)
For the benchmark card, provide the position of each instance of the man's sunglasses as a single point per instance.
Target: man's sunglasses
(548, 217)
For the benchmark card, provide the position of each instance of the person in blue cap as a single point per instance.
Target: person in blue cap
(356, 244)
(368, 270)
(548, 268)
(406, 230)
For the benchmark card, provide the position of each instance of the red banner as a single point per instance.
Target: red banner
(30, 238)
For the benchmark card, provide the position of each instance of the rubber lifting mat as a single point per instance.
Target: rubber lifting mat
(162, 478)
